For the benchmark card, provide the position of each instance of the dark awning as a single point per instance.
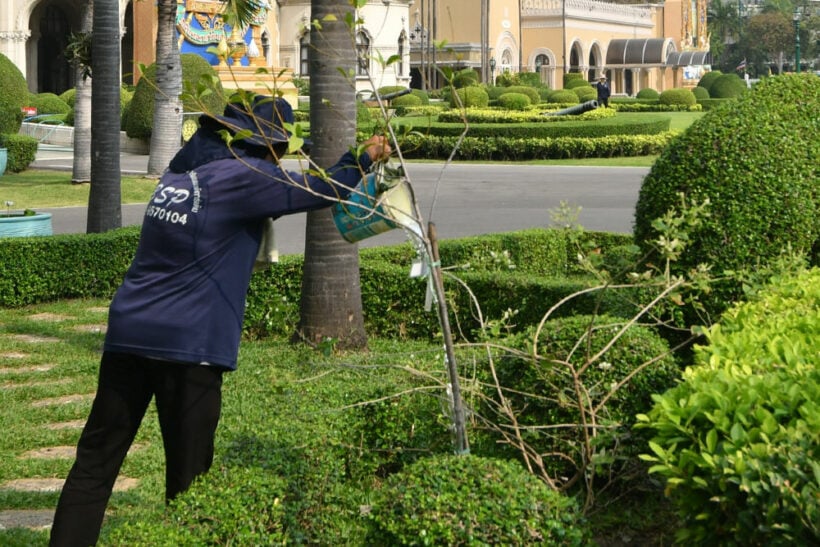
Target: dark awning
(689, 58)
(635, 52)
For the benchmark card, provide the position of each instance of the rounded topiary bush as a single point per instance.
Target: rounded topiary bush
(576, 82)
(700, 93)
(139, 117)
(514, 101)
(472, 96)
(467, 500)
(13, 96)
(709, 78)
(755, 159)
(727, 86)
(530, 92)
(465, 78)
(677, 96)
(68, 96)
(564, 96)
(647, 93)
(423, 96)
(49, 103)
(585, 93)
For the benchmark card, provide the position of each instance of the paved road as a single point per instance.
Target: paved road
(462, 199)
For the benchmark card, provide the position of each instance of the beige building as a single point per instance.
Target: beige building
(637, 45)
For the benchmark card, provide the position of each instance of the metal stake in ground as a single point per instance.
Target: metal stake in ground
(462, 445)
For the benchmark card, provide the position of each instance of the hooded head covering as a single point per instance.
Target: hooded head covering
(265, 120)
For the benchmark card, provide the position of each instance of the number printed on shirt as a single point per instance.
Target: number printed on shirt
(160, 213)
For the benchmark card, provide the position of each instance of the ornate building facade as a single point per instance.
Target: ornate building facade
(637, 45)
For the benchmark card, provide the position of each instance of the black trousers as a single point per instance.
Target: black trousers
(188, 399)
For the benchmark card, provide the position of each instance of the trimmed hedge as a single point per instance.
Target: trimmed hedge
(515, 149)
(470, 96)
(40, 269)
(514, 101)
(138, 117)
(738, 441)
(467, 500)
(755, 159)
(678, 96)
(13, 96)
(22, 151)
(49, 103)
(727, 86)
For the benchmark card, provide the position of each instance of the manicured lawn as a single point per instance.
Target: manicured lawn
(41, 188)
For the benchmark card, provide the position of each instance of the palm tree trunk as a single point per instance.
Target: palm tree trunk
(104, 207)
(331, 302)
(81, 168)
(166, 135)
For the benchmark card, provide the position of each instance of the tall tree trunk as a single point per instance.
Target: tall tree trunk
(166, 135)
(81, 168)
(331, 302)
(104, 200)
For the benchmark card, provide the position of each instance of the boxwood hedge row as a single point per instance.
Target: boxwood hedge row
(40, 269)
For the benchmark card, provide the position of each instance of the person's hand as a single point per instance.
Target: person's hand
(377, 147)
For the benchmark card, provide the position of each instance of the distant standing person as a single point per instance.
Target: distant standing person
(603, 91)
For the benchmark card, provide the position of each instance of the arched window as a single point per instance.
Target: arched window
(304, 47)
(362, 54)
(541, 60)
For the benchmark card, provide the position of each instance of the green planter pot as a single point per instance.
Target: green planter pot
(4, 159)
(19, 225)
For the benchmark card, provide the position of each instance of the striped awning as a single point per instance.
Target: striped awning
(689, 58)
(635, 52)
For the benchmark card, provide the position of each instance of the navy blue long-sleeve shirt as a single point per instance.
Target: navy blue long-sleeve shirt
(183, 298)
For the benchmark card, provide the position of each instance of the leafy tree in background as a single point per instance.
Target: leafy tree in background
(768, 37)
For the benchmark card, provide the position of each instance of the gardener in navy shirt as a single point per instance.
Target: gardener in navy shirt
(175, 322)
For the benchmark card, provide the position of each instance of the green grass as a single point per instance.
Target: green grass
(285, 402)
(43, 188)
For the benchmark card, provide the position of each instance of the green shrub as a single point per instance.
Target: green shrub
(422, 95)
(585, 93)
(541, 390)
(22, 150)
(68, 96)
(514, 101)
(49, 103)
(472, 96)
(406, 100)
(531, 79)
(727, 86)
(738, 441)
(677, 95)
(576, 82)
(708, 79)
(139, 117)
(229, 506)
(647, 93)
(700, 93)
(530, 92)
(11, 119)
(465, 78)
(466, 500)
(564, 96)
(13, 88)
(755, 159)
(571, 77)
